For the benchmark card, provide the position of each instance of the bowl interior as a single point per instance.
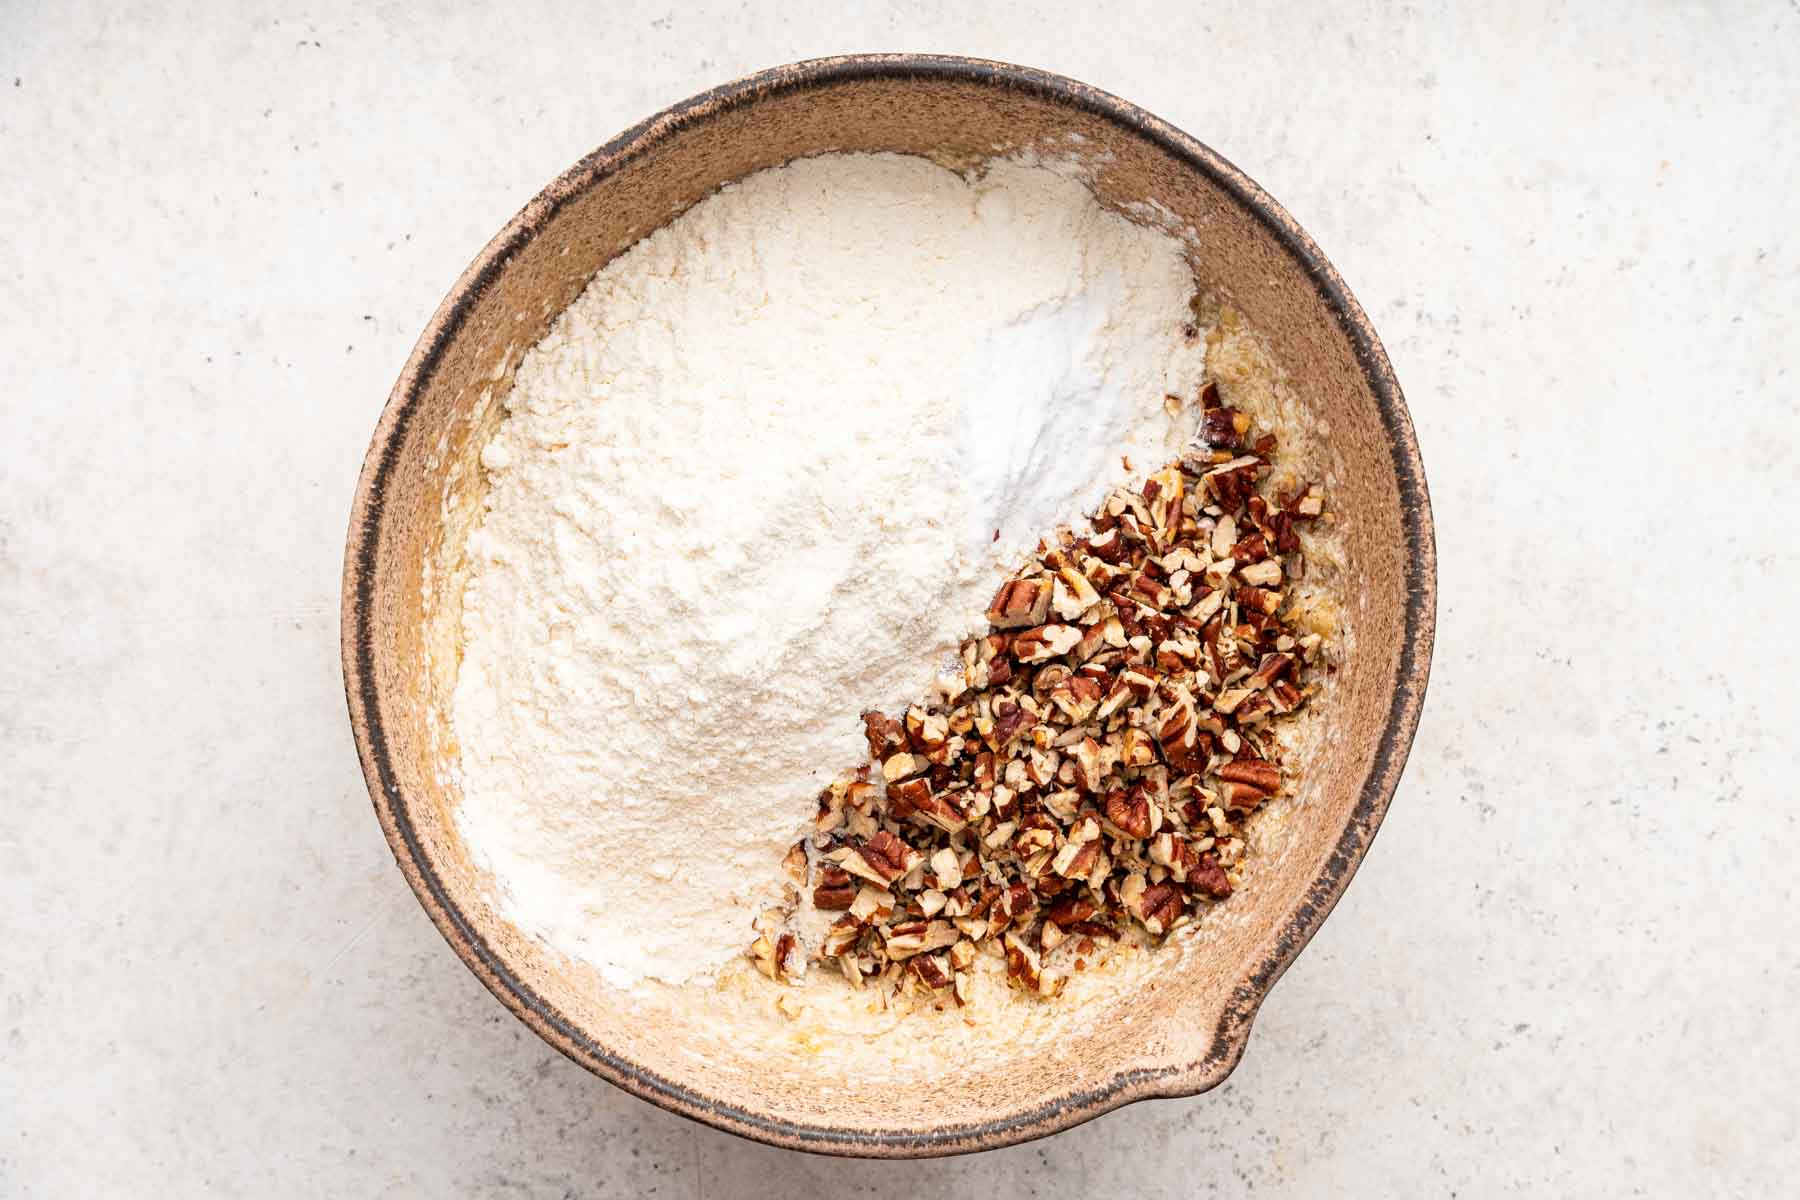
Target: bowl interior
(1177, 1029)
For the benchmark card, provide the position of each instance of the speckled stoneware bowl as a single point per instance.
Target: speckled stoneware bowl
(1175, 1033)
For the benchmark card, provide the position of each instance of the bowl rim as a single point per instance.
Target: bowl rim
(1130, 1083)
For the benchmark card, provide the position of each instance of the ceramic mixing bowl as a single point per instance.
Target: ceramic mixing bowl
(1176, 1031)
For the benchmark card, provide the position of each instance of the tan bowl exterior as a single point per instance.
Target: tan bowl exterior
(1186, 1032)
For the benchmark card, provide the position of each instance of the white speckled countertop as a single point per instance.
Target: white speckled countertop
(1569, 965)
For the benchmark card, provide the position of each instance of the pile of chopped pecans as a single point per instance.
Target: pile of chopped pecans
(1091, 766)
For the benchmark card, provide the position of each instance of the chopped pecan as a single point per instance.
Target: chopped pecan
(1020, 602)
(1158, 907)
(1184, 745)
(1231, 483)
(1070, 910)
(1084, 758)
(932, 970)
(1287, 539)
(904, 765)
(833, 891)
(943, 811)
(1045, 642)
(1208, 877)
(1266, 573)
(1272, 667)
(1076, 859)
(1260, 600)
(1009, 721)
(1015, 904)
(908, 797)
(1251, 549)
(841, 938)
(884, 856)
(1218, 429)
(1130, 810)
(881, 733)
(1109, 547)
(1243, 796)
(1077, 697)
(831, 809)
(1264, 776)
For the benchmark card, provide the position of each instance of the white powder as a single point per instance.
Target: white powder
(747, 488)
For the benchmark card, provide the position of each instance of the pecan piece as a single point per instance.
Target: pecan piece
(1108, 547)
(1084, 757)
(1020, 602)
(1208, 877)
(841, 938)
(1186, 747)
(1232, 482)
(883, 858)
(1158, 907)
(1010, 720)
(1259, 600)
(1076, 859)
(1045, 642)
(1271, 668)
(946, 869)
(786, 965)
(1251, 549)
(831, 809)
(1287, 696)
(1025, 969)
(1266, 573)
(1016, 902)
(1000, 672)
(871, 904)
(881, 733)
(1070, 910)
(1287, 539)
(1230, 700)
(1130, 811)
(943, 811)
(932, 970)
(1264, 776)
(1243, 797)
(904, 765)
(1077, 697)
(1163, 493)
(927, 732)
(908, 797)
(834, 890)
(1218, 429)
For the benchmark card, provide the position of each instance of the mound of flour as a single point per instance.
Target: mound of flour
(762, 476)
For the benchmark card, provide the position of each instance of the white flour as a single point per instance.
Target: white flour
(748, 488)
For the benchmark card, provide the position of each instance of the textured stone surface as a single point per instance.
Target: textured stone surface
(1567, 963)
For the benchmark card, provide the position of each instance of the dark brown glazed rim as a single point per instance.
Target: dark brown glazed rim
(1128, 1085)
